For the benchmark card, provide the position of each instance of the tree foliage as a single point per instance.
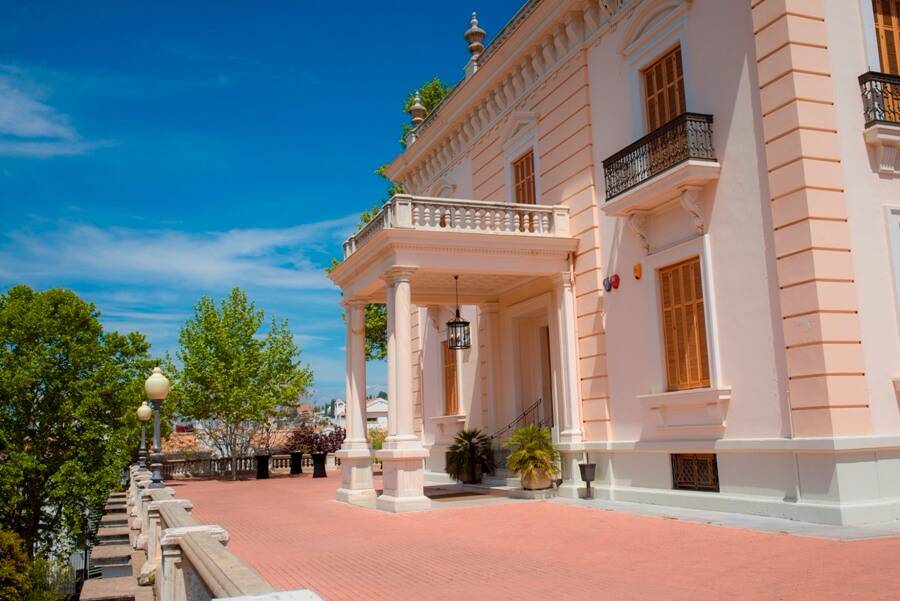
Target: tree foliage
(234, 379)
(431, 93)
(68, 391)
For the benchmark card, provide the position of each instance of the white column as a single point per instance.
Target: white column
(403, 453)
(356, 457)
(490, 316)
(391, 358)
(569, 410)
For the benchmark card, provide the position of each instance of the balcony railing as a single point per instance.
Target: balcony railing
(688, 136)
(455, 215)
(881, 97)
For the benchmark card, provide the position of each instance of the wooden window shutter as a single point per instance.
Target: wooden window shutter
(684, 325)
(451, 398)
(887, 29)
(664, 89)
(523, 179)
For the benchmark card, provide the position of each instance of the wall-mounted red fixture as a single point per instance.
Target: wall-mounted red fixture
(614, 280)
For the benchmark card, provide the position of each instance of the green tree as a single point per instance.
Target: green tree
(14, 567)
(68, 391)
(431, 93)
(234, 379)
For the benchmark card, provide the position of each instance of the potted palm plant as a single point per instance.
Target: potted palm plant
(533, 456)
(470, 456)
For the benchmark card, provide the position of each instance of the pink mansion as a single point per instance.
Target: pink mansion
(676, 230)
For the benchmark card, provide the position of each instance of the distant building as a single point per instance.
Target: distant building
(376, 413)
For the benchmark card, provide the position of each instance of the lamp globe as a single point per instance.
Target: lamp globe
(144, 412)
(157, 385)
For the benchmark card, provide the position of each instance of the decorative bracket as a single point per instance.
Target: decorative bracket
(638, 222)
(692, 203)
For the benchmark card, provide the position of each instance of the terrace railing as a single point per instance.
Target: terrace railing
(881, 97)
(688, 136)
(216, 467)
(456, 215)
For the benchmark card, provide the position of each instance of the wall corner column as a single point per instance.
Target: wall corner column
(570, 443)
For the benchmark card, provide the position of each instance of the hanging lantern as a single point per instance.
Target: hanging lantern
(459, 337)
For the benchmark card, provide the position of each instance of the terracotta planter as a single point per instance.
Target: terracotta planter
(538, 481)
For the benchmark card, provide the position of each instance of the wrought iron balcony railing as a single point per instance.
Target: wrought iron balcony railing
(455, 215)
(688, 136)
(881, 97)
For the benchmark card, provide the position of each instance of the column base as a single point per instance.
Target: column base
(404, 480)
(401, 504)
(572, 490)
(572, 486)
(357, 484)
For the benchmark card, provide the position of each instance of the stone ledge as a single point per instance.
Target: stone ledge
(521, 493)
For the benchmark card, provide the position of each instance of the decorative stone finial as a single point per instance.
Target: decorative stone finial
(417, 110)
(475, 36)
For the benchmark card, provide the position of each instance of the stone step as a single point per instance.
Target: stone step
(117, 495)
(119, 534)
(115, 508)
(502, 478)
(123, 588)
(113, 560)
(111, 520)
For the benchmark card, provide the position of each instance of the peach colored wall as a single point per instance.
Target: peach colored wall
(812, 237)
(746, 323)
(866, 194)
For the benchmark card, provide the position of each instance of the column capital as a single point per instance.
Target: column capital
(562, 278)
(398, 274)
(354, 303)
(490, 308)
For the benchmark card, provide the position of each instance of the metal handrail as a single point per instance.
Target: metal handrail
(881, 97)
(519, 419)
(687, 136)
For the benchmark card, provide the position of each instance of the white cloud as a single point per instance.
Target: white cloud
(31, 128)
(274, 258)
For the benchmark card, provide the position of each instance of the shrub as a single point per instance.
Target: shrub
(376, 438)
(532, 451)
(470, 448)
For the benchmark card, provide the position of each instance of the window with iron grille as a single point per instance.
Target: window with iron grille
(695, 471)
(523, 178)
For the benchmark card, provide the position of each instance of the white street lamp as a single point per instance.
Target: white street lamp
(144, 412)
(156, 387)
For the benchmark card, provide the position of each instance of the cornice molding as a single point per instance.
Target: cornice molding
(445, 136)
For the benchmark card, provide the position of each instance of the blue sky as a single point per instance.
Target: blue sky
(151, 153)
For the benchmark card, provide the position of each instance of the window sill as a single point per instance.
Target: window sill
(689, 409)
(449, 419)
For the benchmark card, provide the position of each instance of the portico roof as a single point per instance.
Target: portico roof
(496, 246)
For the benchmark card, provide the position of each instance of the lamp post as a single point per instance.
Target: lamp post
(143, 413)
(156, 387)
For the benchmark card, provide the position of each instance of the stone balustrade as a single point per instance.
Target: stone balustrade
(468, 216)
(187, 560)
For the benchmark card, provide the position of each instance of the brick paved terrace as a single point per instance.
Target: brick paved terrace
(297, 536)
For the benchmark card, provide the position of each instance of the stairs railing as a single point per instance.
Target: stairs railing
(535, 409)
